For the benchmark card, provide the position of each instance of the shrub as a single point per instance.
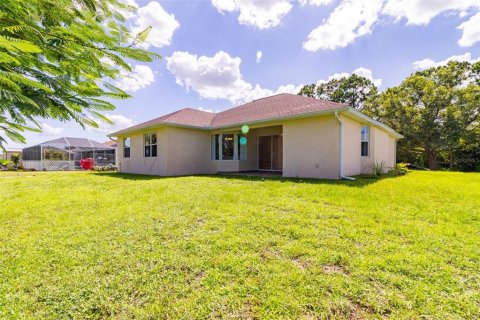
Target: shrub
(400, 169)
(5, 164)
(377, 168)
(105, 168)
(16, 159)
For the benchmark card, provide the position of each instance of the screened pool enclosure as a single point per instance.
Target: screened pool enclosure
(66, 153)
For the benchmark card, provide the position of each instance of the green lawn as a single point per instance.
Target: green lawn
(96, 245)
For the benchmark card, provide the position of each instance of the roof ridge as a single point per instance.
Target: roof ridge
(273, 95)
(255, 100)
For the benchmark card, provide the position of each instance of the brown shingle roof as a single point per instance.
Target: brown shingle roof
(277, 106)
(187, 117)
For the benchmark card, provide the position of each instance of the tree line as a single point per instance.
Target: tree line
(437, 110)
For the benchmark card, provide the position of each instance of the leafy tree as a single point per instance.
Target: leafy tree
(15, 159)
(435, 109)
(57, 58)
(353, 90)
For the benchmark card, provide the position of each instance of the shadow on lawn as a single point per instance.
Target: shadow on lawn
(360, 182)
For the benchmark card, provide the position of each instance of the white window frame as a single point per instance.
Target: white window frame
(237, 155)
(129, 147)
(150, 144)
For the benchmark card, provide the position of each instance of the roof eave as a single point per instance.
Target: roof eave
(282, 118)
(374, 122)
(156, 125)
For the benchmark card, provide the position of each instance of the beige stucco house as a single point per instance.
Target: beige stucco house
(295, 135)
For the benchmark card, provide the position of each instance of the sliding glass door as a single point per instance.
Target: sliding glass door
(270, 152)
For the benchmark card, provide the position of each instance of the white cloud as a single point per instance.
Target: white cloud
(367, 73)
(418, 12)
(218, 77)
(317, 3)
(421, 12)
(48, 130)
(471, 31)
(207, 110)
(355, 18)
(259, 56)
(429, 63)
(163, 24)
(350, 20)
(363, 72)
(140, 77)
(119, 122)
(258, 13)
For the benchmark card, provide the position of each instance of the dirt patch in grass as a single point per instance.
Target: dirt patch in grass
(302, 264)
(334, 268)
(248, 312)
(270, 254)
(201, 221)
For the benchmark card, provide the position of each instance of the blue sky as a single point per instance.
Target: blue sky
(211, 56)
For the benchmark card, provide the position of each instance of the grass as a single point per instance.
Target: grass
(98, 245)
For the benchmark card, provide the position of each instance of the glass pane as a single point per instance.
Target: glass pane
(214, 147)
(147, 139)
(126, 152)
(154, 150)
(265, 153)
(147, 151)
(153, 138)
(242, 147)
(277, 152)
(126, 142)
(217, 147)
(364, 134)
(364, 149)
(227, 146)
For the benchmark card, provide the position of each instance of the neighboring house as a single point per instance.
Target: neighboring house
(7, 154)
(299, 136)
(66, 153)
(111, 143)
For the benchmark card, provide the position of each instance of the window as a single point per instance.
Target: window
(365, 139)
(228, 144)
(126, 147)
(229, 147)
(242, 147)
(150, 142)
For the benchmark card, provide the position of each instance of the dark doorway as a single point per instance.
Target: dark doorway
(270, 153)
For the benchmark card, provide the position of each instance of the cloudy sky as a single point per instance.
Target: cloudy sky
(221, 53)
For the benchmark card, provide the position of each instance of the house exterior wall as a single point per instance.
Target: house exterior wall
(137, 162)
(188, 152)
(382, 148)
(311, 148)
(351, 146)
